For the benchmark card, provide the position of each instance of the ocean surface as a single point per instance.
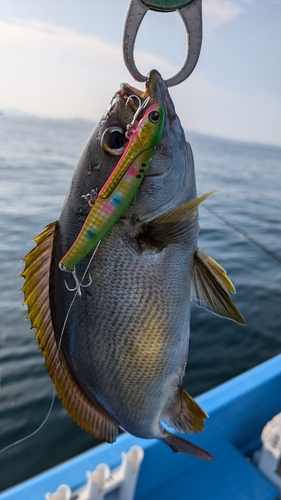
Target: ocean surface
(240, 228)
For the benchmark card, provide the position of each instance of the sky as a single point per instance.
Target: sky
(63, 59)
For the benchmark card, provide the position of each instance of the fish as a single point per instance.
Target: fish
(117, 354)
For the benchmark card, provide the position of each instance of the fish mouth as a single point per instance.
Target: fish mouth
(155, 88)
(157, 92)
(127, 90)
(168, 171)
(153, 81)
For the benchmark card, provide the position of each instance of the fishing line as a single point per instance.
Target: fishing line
(33, 433)
(245, 234)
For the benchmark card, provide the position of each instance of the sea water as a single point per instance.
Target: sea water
(37, 159)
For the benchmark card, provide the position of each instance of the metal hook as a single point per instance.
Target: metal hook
(192, 19)
(131, 126)
(77, 282)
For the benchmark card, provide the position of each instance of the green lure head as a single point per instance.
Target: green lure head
(150, 126)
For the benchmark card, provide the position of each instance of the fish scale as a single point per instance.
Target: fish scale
(140, 328)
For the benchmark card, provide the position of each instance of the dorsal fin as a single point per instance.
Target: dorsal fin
(89, 415)
(210, 287)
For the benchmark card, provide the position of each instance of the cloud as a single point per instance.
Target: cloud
(55, 71)
(219, 12)
(38, 36)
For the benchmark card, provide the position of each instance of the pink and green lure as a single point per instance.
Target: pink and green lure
(120, 188)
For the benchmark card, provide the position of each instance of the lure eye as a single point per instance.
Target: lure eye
(154, 116)
(113, 141)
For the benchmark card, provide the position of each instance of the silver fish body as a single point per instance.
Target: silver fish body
(123, 344)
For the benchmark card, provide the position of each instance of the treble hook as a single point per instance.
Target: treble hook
(78, 284)
(142, 105)
(191, 14)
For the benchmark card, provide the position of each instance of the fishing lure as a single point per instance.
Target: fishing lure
(120, 188)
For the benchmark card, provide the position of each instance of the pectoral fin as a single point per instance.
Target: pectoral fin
(210, 287)
(87, 413)
(175, 226)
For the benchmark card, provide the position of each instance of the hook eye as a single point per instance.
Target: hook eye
(131, 98)
(142, 105)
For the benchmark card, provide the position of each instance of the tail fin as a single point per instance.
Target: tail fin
(181, 445)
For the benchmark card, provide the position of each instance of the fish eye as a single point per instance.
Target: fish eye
(113, 141)
(154, 116)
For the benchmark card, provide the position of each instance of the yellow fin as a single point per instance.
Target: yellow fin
(210, 287)
(88, 414)
(185, 415)
(177, 225)
(218, 271)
